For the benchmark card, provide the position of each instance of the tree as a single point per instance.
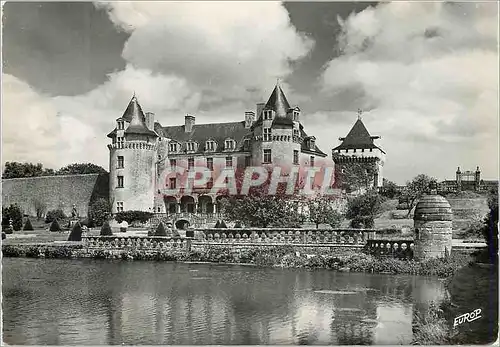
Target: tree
(363, 209)
(53, 215)
(19, 170)
(13, 212)
(27, 225)
(355, 176)
(99, 212)
(81, 169)
(54, 226)
(414, 190)
(160, 230)
(490, 230)
(321, 211)
(76, 233)
(106, 229)
(40, 208)
(389, 189)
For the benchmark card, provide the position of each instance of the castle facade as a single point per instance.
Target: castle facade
(149, 162)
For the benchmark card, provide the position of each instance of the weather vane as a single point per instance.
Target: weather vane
(360, 112)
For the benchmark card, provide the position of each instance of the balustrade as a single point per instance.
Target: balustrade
(136, 243)
(402, 249)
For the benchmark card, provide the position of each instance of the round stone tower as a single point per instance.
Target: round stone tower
(433, 226)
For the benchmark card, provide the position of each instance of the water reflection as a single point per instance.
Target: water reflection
(103, 302)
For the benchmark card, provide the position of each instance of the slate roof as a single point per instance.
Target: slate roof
(201, 133)
(305, 149)
(133, 114)
(278, 102)
(358, 138)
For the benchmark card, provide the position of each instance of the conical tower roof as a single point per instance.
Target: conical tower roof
(357, 138)
(278, 102)
(135, 116)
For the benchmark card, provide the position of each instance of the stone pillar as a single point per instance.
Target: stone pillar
(433, 227)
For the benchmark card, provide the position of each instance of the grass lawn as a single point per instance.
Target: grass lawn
(470, 288)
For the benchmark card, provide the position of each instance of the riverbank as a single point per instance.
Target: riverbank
(278, 256)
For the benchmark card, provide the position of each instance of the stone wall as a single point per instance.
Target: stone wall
(55, 192)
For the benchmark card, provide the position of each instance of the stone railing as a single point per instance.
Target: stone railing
(136, 243)
(401, 249)
(319, 237)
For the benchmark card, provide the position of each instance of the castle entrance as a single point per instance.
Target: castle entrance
(182, 224)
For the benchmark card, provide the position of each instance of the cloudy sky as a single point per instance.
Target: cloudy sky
(425, 74)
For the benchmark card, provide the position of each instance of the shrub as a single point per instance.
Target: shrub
(106, 229)
(160, 230)
(12, 212)
(217, 225)
(99, 212)
(52, 215)
(54, 226)
(27, 225)
(133, 216)
(76, 233)
(237, 225)
(223, 225)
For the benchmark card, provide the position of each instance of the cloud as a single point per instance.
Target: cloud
(230, 51)
(61, 130)
(428, 72)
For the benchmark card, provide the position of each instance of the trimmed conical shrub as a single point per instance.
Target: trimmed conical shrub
(54, 226)
(217, 225)
(76, 233)
(160, 230)
(106, 229)
(223, 225)
(27, 225)
(237, 225)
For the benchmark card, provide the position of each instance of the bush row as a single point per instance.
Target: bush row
(280, 256)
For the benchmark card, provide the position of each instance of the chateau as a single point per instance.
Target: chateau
(145, 156)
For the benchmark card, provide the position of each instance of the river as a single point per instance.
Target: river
(100, 302)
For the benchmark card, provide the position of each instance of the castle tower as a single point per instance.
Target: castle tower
(132, 159)
(277, 132)
(358, 160)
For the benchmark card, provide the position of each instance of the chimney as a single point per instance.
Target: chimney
(260, 107)
(188, 123)
(150, 120)
(249, 119)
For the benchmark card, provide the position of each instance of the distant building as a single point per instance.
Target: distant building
(467, 181)
(359, 161)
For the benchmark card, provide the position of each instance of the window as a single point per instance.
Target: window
(229, 161)
(172, 147)
(362, 149)
(311, 144)
(173, 163)
(267, 134)
(173, 183)
(267, 156)
(210, 183)
(190, 146)
(210, 146)
(120, 181)
(268, 114)
(371, 149)
(248, 161)
(296, 132)
(119, 206)
(120, 125)
(295, 157)
(190, 163)
(229, 144)
(312, 160)
(295, 115)
(354, 150)
(120, 162)
(158, 209)
(210, 163)
(120, 141)
(246, 144)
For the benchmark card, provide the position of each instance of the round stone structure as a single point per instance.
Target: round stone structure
(432, 221)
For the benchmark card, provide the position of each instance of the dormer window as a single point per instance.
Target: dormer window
(190, 146)
(296, 132)
(295, 116)
(121, 125)
(173, 147)
(210, 145)
(311, 142)
(268, 114)
(246, 144)
(229, 144)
